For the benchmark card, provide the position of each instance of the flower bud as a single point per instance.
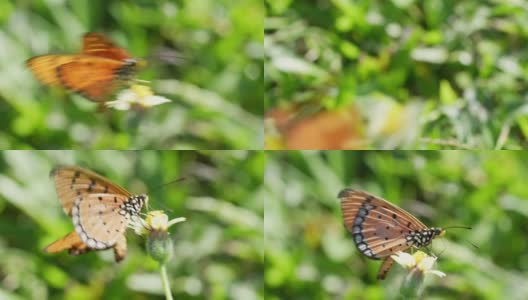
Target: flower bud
(159, 245)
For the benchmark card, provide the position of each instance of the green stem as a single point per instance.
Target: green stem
(412, 286)
(165, 281)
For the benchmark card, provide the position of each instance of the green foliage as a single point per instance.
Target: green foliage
(218, 251)
(456, 69)
(206, 56)
(310, 255)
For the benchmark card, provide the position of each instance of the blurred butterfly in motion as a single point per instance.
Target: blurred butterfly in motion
(380, 228)
(95, 73)
(100, 211)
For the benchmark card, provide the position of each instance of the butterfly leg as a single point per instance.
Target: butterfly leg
(387, 264)
(120, 249)
(101, 107)
(78, 250)
(385, 268)
(429, 250)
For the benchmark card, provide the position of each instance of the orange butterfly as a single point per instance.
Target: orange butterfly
(100, 211)
(96, 73)
(380, 228)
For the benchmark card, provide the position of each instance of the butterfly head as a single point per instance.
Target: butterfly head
(128, 70)
(135, 203)
(424, 237)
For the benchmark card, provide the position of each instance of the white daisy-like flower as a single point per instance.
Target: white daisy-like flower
(138, 97)
(419, 261)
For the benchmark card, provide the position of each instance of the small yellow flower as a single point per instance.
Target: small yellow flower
(137, 97)
(418, 262)
(156, 220)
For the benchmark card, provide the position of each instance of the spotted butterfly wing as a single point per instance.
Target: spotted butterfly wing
(100, 211)
(380, 228)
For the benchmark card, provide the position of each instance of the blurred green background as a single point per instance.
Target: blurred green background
(204, 55)
(430, 74)
(218, 251)
(310, 255)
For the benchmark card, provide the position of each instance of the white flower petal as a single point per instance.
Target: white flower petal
(404, 259)
(126, 96)
(136, 95)
(140, 226)
(427, 263)
(159, 222)
(118, 104)
(436, 272)
(153, 100)
(176, 220)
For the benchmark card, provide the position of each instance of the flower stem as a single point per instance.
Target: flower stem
(165, 282)
(412, 286)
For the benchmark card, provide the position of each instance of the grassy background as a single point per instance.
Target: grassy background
(206, 56)
(430, 74)
(309, 254)
(218, 250)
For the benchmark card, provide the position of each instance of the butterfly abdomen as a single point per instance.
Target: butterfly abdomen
(127, 71)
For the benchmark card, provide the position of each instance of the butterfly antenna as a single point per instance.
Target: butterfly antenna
(473, 245)
(445, 247)
(461, 227)
(429, 250)
(170, 182)
(464, 227)
(163, 206)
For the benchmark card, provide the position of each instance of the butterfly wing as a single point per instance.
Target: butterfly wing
(95, 73)
(377, 226)
(101, 221)
(71, 242)
(73, 181)
(97, 44)
(92, 77)
(45, 67)
(98, 224)
(96, 207)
